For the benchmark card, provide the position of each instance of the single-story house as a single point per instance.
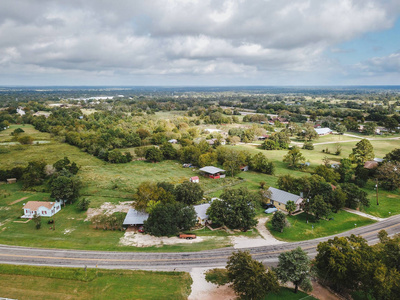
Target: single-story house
(195, 179)
(20, 111)
(244, 168)
(173, 141)
(40, 208)
(280, 198)
(213, 141)
(370, 164)
(323, 131)
(212, 172)
(135, 218)
(201, 212)
(11, 180)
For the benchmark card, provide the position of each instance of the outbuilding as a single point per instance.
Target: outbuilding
(11, 180)
(195, 179)
(212, 172)
(135, 218)
(323, 131)
(40, 208)
(244, 168)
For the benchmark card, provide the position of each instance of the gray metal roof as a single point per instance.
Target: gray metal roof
(211, 170)
(201, 210)
(134, 217)
(323, 130)
(282, 196)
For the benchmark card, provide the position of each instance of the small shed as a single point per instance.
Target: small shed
(135, 218)
(201, 212)
(212, 172)
(195, 179)
(11, 180)
(244, 168)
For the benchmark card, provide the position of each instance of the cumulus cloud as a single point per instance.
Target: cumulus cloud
(384, 64)
(195, 38)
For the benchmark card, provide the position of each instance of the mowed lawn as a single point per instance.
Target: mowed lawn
(389, 201)
(28, 282)
(71, 230)
(103, 181)
(288, 294)
(300, 230)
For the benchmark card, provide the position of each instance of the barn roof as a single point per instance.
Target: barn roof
(134, 217)
(211, 170)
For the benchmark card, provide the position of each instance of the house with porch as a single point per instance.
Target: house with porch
(201, 212)
(280, 198)
(40, 208)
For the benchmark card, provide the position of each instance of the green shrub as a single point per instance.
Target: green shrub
(217, 276)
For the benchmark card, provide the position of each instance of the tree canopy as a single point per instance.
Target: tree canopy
(170, 218)
(362, 152)
(294, 158)
(250, 279)
(188, 193)
(294, 266)
(235, 210)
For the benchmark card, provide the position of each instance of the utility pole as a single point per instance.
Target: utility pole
(377, 197)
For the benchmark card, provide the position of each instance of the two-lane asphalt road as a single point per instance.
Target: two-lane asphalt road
(173, 260)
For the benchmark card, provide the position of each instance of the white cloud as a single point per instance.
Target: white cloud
(227, 40)
(384, 64)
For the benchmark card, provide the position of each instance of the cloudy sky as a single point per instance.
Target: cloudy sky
(204, 42)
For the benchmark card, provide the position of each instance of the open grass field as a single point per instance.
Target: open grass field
(5, 136)
(288, 294)
(28, 282)
(389, 201)
(300, 230)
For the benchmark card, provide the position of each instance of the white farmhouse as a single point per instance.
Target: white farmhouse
(40, 208)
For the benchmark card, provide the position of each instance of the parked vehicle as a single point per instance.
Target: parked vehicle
(268, 205)
(187, 236)
(271, 210)
(141, 229)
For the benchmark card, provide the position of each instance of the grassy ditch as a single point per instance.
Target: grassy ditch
(31, 282)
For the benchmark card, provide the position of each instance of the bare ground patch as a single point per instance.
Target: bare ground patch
(145, 240)
(19, 200)
(203, 290)
(265, 239)
(108, 208)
